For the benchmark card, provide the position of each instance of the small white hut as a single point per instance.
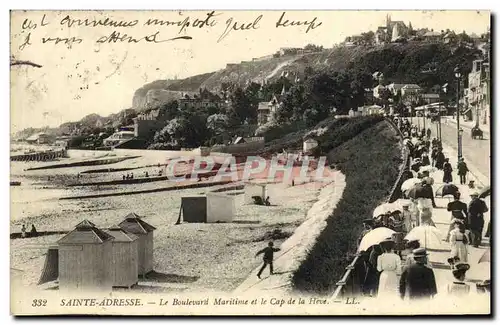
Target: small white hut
(84, 256)
(125, 257)
(135, 225)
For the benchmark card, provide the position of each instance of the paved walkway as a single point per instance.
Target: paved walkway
(439, 255)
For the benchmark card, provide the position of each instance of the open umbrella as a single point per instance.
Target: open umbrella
(429, 236)
(486, 257)
(374, 237)
(385, 208)
(410, 183)
(485, 192)
(446, 189)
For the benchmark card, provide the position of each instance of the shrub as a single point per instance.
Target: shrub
(370, 161)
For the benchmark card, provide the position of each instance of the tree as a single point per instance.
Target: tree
(313, 48)
(218, 123)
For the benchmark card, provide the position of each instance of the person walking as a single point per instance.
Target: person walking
(458, 211)
(389, 263)
(462, 171)
(439, 159)
(408, 220)
(429, 133)
(459, 241)
(477, 208)
(458, 287)
(447, 171)
(267, 258)
(372, 273)
(23, 231)
(417, 280)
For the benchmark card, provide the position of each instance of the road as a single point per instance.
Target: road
(475, 151)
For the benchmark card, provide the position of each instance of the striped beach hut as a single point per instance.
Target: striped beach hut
(125, 257)
(135, 225)
(84, 256)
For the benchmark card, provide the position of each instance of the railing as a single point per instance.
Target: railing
(349, 283)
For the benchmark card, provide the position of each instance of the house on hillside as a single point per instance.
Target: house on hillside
(410, 89)
(432, 36)
(430, 98)
(395, 88)
(266, 110)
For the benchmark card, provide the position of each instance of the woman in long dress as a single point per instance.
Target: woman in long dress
(459, 241)
(389, 264)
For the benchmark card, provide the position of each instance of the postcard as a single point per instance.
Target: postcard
(250, 163)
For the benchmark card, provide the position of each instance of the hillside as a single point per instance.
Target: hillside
(399, 62)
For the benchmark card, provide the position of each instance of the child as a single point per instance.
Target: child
(268, 258)
(459, 287)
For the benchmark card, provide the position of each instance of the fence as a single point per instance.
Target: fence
(350, 283)
(40, 156)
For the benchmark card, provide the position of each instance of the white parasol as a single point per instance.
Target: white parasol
(428, 236)
(374, 237)
(409, 183)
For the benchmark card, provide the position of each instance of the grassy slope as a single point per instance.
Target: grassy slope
(370, 162)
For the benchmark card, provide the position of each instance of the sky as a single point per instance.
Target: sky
(90, 77)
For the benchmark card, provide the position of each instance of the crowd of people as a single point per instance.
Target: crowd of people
(399, 267)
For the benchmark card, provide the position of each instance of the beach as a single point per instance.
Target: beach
(187, 256)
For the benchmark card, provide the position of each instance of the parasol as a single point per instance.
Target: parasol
(485, 192)
(374, 237)
(429, 236)
(446, 189)
(384, 209)
(486, 257)
(410, 183)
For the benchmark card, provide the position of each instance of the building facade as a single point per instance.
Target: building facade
(478, 93)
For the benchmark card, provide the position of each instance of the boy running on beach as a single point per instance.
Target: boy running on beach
(268, 257)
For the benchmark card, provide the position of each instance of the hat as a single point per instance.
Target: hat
(462, 266)
(405, 204)
(475, 193)
(368, 221)
(419, 252)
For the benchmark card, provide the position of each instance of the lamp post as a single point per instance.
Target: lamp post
(460, 133)
(458, 75)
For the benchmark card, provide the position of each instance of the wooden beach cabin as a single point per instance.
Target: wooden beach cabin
(84, 256)
(125, 260)
(212, 208)
(135, 225)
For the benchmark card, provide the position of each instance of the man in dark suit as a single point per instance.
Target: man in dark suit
(477, 208)
(417, 280)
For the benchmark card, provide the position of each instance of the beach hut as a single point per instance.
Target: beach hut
(125, 257)
(84, 256)
(255, 189)
(220, 207)
(194, 208)
(212, 208)
(135, 225)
